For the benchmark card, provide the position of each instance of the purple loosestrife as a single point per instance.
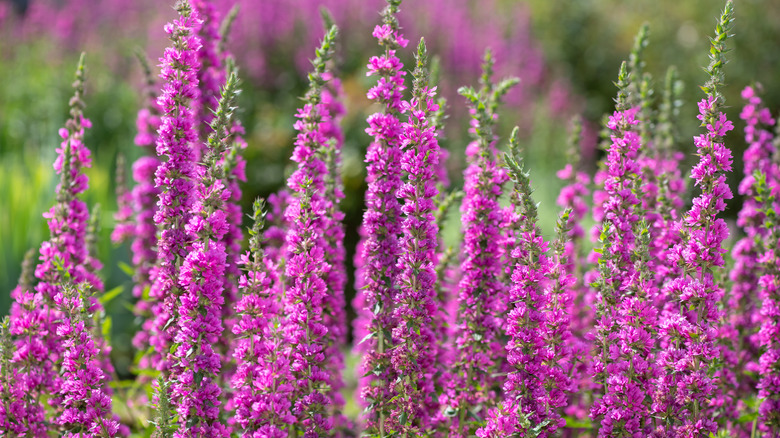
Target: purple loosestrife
(136, 218)
(381, 225)
(415, 308)
(308, 304)
(262, 382)
(68, 219)
(335, 317)
(583, 299)
(663, 169)
(625, 316)
(85, 401)
(767, 192)
(481, 296)
(34, 315)
(536, 385)
(215, 67)
(687, 393)
(23, 413)
(758, 157)
(175, 177)
(195, 392)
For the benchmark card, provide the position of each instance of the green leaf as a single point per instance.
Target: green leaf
(106, 329)
(365, 338)
(127, 269)
(573, 423)
(148, 372)
(110, 295)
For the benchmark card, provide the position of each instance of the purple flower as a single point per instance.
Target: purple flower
(35, 315)
(175, 178)
(262, 381)
(537, 325)
(414, 357)
(85, 403)
(381, 226)
(687, 394)
(196, 391)
(311, 310)
(626, 316)
(481, 297)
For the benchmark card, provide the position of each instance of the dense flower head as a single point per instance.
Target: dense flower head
(196, 391)
(175, 177)
(86, 405)
(687, 392)
(262, 380)
(481, 295)
(537, 326)
(313, 313)
(626, 317)
(415, 308)
(381, 227)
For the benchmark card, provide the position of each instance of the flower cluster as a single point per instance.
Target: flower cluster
(526, 338)
(537, 325)
(262, 381)
(481, 297)
(625, 317)
(85, 402)
(415, 307)
(688, 391)
(381, 227)
(175, 177)
(312, 311)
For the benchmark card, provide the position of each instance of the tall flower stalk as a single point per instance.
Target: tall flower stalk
(687, 393)
(769, 294)
(307, 302)
(625, 316)
(537, 383)
(481, 295)
(35, 315)
(195, 391)
(262, 381)
(381, 225)
(416, 307)
(175, 177)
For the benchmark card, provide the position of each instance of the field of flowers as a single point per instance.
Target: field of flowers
(393, 274)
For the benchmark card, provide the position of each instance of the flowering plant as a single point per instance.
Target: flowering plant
(514, 335)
